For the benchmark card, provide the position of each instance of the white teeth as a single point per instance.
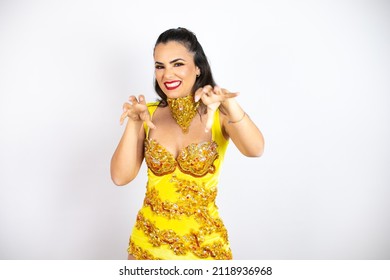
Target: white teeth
(172, 85)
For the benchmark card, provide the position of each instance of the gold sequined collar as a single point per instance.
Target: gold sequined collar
(183, 110)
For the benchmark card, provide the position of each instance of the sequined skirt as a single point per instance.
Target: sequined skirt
(152, 240)
(186, 227)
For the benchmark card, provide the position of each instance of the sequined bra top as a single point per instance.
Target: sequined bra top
(197, 159)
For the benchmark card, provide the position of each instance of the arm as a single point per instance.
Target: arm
(236, 124)
(128, 156)
(241, 129)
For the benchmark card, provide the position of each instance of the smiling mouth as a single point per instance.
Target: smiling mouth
(172, 85)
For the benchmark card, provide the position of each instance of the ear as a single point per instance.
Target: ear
(197, 71)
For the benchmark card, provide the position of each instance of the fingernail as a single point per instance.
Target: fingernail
(197, 98)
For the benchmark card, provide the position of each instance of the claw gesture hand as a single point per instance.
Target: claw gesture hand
(137, 110)
(212, 98)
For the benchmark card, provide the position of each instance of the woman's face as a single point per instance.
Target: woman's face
(175, 69)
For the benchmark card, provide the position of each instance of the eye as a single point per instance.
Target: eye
(178, 64)
(157, 66)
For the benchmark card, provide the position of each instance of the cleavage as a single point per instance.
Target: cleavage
(169, 134)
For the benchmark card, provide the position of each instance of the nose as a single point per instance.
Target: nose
(168, 73)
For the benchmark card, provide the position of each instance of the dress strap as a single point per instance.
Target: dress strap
(217, 134)
(152, 106)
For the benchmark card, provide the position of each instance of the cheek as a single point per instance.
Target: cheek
(158, 77)
(186, 73)
(157, 74)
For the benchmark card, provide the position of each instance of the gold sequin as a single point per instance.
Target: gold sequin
(183, 110)
(195, 159)
(158, 159)
(181, 245)
(192, 200)
(179, 218)
(138, 253)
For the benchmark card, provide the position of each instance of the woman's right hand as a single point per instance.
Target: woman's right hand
(137, 110)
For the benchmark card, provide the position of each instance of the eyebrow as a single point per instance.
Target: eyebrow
(173, 61)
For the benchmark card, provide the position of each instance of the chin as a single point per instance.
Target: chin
(173, 95)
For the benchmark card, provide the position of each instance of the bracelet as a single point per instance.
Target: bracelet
(229, 121)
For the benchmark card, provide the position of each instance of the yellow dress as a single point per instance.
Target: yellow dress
(179, 218)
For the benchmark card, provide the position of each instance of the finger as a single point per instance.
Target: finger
(126, 106)
(198, 94)
(148, 119)
(225, 94)
(141, 107)
(232, 94)
(141, 99)
(144, 109)
(218, 90)
(208, 99)
(123, 117)
(207, 94)
(229, 94)
(210, 119)
(150, 124)
(133, 100)
(208, 90)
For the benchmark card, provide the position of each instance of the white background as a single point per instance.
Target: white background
(314, 76)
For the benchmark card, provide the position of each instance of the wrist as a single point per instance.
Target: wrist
(230, 121)
(133, 124)
(232, 110)
(227, 104)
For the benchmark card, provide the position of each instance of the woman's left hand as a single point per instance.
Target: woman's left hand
(212, 98)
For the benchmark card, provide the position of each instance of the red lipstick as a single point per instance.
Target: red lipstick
(171, 85)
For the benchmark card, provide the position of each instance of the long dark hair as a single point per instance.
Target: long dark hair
(189, 40)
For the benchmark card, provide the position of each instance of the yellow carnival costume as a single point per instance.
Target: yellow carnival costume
(179, 218)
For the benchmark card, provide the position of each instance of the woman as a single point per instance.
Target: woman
(183, 139)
